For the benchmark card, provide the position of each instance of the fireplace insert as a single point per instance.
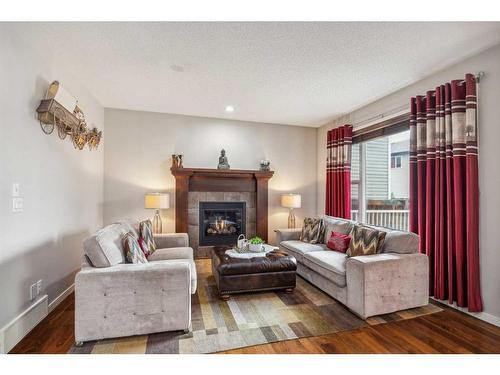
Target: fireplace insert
(221, 222)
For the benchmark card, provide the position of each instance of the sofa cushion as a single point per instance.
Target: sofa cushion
(338, 242)
(398, 241)
(299, 248)
(329, 264)
(365, 241)
(130, 225)
(313, 230)
(133, 251)
(146, 235)
(339, 225)
(104, 248)
(172, 253)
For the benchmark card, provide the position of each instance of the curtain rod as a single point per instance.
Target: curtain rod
(478, 77)
(392, 113)
(401, 109)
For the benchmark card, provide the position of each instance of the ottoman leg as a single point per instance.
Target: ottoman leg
(289, 290)
(225, 297)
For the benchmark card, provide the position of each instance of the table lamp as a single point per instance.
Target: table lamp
(291, 201)
(157, 201)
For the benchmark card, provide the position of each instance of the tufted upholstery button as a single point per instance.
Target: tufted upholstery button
(133, 313)
(105, 316)
(135, 292)
(105, 294)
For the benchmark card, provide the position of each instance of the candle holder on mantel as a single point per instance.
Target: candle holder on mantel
(177, 161)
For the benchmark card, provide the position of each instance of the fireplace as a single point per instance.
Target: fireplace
(221, 223)
(202, 185)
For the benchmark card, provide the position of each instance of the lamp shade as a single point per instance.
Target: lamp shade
(157, 200)
(291, 200)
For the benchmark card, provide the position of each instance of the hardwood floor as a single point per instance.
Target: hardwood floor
(448, 331)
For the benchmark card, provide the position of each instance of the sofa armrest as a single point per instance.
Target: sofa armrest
(384, 283)
(132, 299)
(287, 234)
(166, 240)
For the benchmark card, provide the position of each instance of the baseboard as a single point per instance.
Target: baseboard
(61, 297)
(492, 319)
(13, 332)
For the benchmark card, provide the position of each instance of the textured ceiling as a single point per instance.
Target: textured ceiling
(284, 73)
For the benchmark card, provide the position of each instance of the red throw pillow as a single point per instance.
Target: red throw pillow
(338, 242)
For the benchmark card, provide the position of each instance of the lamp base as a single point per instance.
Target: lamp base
(157, 229)
(291, 219)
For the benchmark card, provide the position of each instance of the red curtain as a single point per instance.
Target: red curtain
(444, 192)
(338, 172)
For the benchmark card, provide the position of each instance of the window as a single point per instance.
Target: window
(395, 161)
(380, 181)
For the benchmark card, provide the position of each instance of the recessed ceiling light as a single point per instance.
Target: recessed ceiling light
(177, 68)
(229, 108)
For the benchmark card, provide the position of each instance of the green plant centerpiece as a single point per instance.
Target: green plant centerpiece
(255, 244)
(256, 240)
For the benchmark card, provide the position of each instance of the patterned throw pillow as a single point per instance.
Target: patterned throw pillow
(365, 241)
(338, 242)
(147, 241)
(313, 230)
(133, 251)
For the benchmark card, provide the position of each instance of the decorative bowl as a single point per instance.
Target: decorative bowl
(256, 248)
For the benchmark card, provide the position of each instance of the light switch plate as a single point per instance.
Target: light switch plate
(17, 204)
(15, 190)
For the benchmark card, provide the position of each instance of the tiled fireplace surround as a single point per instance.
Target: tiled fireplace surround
(194, 199)
(195, 185)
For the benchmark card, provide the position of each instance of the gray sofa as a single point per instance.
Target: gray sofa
(115, 299)
(396, 279)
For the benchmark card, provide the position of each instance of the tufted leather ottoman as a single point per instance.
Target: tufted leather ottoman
(276, 270)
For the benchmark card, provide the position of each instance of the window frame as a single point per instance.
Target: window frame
(361, 138)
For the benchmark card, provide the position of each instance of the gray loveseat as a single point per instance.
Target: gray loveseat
(396, 279)
(115, 299)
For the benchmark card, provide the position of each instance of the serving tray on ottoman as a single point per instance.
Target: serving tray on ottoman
(275, 270)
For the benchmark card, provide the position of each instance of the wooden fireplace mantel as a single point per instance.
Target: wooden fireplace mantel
(225, 180)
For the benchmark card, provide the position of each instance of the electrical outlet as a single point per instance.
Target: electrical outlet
(33, 291)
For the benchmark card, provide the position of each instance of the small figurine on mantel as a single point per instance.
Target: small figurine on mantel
(265, 165)
(223, 164)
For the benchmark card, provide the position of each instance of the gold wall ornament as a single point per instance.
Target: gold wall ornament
(94, 138)
(79, 137)
(52, 114)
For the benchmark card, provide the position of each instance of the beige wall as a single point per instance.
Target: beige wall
(489, 156)
(62, 187)
(139, 146)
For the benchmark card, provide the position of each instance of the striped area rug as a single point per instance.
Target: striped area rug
(249, 319)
